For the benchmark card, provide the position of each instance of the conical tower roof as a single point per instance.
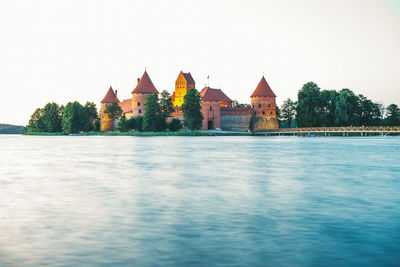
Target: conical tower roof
(145, 85)
(110, 97)
(263, 89)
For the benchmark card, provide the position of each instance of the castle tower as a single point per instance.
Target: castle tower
(183, 83)
(106, 124)
(144, 87)
(212, 100)
(264, 107)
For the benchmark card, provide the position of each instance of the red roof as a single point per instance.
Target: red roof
(126, 105)
(189, 78)
(263, 89)
(145, 85)
(110, 97)
(210, 94)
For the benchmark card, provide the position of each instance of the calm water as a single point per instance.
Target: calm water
(199, 201)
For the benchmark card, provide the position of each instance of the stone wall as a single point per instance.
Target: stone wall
(262, 123)
(237, 123)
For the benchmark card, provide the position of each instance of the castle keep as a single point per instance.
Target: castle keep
(216, 107)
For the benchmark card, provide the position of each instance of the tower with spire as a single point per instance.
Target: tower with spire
(143, 88)
(263, 105)
(106, 124)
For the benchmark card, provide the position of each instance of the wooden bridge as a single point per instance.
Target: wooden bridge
(335, 131)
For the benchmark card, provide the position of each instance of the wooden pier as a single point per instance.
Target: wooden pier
(334, 131)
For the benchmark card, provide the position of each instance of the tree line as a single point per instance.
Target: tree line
(76, 118)
(71, 118)
(331, 108)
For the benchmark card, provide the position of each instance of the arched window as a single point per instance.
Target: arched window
(269, 105)
(259, 105)
(140, 111)
(138, 104)
(263, 112)
(270, 113)
(210, 108)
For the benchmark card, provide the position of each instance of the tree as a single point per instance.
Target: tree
(367, 112)
(175, 125)
(166, 105)
(36, 122)
(123, 125)
(393, 115)
(191, 108)
(288, 111)
(132, 123)
(327, 108)
(139, 123)
(74, 118)
(113, 110)
(92, 116)
(308, 104)
(161, 123)
(51, 114)
(346, 107)
(236, 104)
(151, 118)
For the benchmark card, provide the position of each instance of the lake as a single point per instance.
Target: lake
(199, 201)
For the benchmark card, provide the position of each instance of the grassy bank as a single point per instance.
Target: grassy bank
(182, 133)
(41, 133)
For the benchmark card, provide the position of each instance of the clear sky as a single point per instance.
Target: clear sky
(61, 51)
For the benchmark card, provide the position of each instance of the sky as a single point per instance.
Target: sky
(61, 51)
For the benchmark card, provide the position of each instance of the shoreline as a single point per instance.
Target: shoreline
(224, 133)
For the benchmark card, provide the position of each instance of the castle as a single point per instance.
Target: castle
(216, 106)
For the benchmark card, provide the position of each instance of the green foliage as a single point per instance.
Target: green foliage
(123, 125)
(192, 110)
(236, 104)
(36, 122)
(368, 113)
(92, 116)
(166, 105)
(161, 122)
(175, 125)
(331, 108)
(308, 103)
(393, 115)
(151, 114)
(52, 118)
(287, 111)
(327, 108)
(113, 110)
(139, 123)
(74, 118)
(47, 119)
(132, 123)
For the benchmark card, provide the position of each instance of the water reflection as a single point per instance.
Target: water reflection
(199, 201)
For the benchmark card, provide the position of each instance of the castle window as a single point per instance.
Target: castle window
(140, 111)
(270, 113)
(138, 104)
(269, 105)
(259, 105)
(210, 108)
(263, 112)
